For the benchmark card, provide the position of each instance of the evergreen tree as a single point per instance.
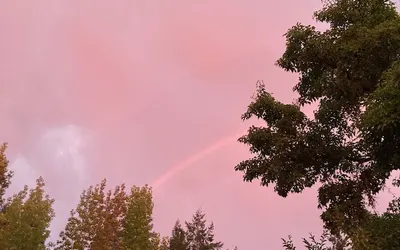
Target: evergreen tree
(199, 235)
(178, 239)
(160, 243)
(164, 244)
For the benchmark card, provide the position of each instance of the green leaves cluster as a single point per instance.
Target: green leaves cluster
(326, 242)
(111, 219)
(25, 217)
(378, 232)
(352, 144)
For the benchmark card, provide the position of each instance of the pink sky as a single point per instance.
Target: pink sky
(149, 92)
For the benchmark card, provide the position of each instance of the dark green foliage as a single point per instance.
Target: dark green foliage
(178, 239)
(199, 235)
(380, 232)
(326, 242)
(353, 143)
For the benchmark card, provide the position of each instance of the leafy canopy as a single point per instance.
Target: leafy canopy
(352, 144)
(26, 216)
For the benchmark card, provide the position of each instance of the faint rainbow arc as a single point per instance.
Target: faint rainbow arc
(170, 173)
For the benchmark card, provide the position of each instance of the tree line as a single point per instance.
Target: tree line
(104, 219)
(350, 148)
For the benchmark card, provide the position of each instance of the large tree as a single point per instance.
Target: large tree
(352, 144)
(200, 236)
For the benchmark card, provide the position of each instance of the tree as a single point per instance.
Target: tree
(26, 219)
(97, 221)
(164, 244)
(352, 144)
(378, 232)
(235, 248)
(178, 239)
(160, 243)
(381, 231)
(5, 175)
(138, 231)
(199, 235)
(326, 242)
(26, 216)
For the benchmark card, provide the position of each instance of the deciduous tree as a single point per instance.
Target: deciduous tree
(26, 219)
(381, 231)
(352, 144)
(138, 231)
(96, 223)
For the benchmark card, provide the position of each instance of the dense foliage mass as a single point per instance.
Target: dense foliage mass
(352, 144)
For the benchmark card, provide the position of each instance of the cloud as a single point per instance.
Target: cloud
(60, 158)
(24, 174)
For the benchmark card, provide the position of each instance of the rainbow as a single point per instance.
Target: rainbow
(173, 171)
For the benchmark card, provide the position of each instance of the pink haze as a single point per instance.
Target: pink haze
(149, 92)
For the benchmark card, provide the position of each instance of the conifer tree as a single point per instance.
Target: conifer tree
(199, 235)
(164, 244)
(178, 239)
